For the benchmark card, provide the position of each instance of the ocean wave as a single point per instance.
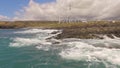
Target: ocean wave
(36, 31)
(81, 51)
(37, 39)
(105, 50)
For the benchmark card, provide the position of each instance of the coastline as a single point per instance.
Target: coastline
(80, 30)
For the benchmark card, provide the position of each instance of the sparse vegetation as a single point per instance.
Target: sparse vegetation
(70, 30)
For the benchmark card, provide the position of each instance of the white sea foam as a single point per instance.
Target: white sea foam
(115, 37)
(36, 31)
(20, 42)
(41, 47)
(106, 50)
(82, 51)
(38, 39)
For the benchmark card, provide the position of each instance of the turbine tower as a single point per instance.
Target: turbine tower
(69, 12)
(67, 18)
(59, 18)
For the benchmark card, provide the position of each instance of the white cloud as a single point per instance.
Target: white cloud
(3, 18)
(80, 9)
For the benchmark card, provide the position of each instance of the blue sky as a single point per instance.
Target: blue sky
(80, 9)
(9, 7)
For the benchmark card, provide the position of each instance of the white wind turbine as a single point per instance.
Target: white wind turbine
(67, 15)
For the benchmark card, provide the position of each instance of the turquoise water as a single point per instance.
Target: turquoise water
(28, 48)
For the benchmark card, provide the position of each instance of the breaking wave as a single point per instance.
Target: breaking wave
(39, 37)
(80, 51)
(94, 51)
(36, 31)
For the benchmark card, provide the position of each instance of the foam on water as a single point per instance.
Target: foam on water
(36, 31)
(20, 42)
(105, 50)
(83, 51)
(39, 38)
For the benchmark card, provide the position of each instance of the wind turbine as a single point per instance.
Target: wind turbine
(69, 12)
(59, 19)
(67, 16)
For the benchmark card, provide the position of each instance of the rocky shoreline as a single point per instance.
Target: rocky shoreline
(81, 30)
(87, 33)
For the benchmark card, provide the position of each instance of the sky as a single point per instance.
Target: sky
(8, 8)
(59, 10)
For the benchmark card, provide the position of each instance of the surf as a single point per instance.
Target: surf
(92, 51)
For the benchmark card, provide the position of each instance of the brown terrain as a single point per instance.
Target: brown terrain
(84, 30)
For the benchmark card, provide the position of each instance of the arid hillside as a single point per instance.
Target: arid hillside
(89, 29)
